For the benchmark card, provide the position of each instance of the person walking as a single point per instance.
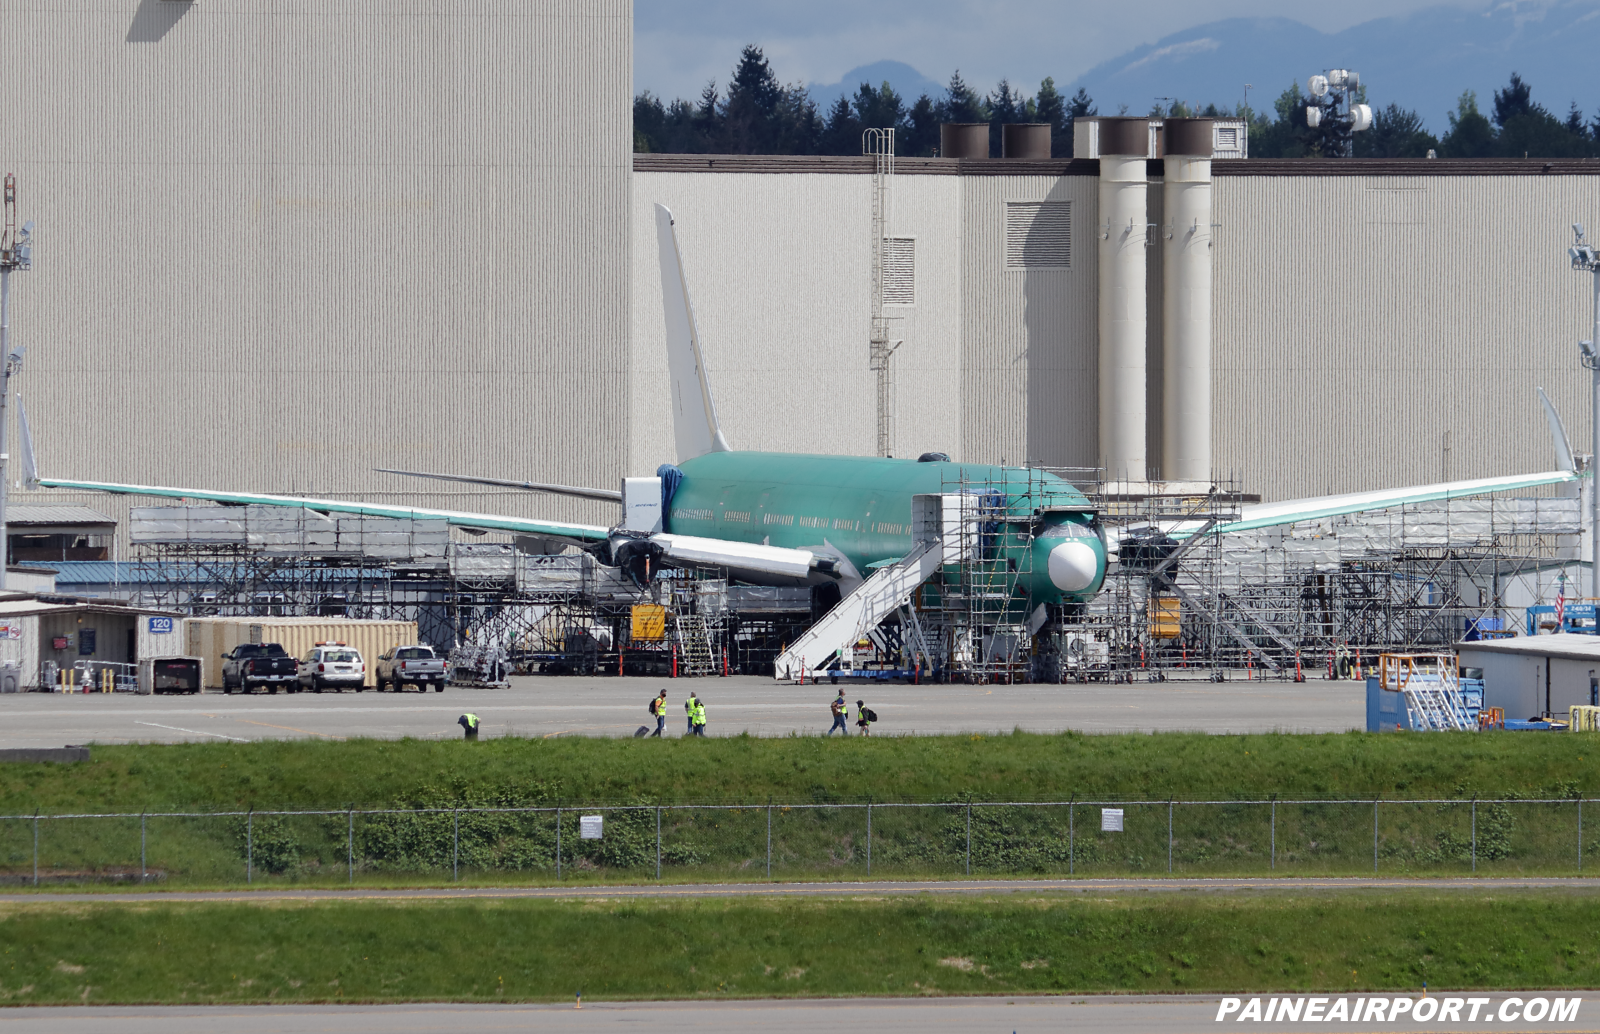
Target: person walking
(469, 725)
(688, 708)
(698, 719)
(865, 716)
(839, 709)
(658, 707)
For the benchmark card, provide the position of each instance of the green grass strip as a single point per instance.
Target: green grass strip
(549, 950)
(1023, 766)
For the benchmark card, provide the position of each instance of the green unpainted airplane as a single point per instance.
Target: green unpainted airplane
(778, 518)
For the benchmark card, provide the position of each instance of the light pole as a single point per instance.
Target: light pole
(16, 252)
(1586, 258)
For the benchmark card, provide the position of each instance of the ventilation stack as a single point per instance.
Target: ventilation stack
(1186, 301)
(1124, 232)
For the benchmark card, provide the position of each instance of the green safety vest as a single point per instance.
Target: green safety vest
(472, 720)
(699, 713)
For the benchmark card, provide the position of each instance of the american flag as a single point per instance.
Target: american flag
(1561, 601)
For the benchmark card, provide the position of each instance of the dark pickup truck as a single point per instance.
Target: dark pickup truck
(250, 665)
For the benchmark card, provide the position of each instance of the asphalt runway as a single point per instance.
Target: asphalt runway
(554, 706)
(1112, 1014)
(855, 889)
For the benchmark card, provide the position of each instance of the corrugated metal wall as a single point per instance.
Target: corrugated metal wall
(1390, 330)
(281, 244)
(779, 268)
(1029, 337)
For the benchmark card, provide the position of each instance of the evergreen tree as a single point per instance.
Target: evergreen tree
(1395, 133)
(880, 108)
(1516, 99)
(749, 116)
(799, 126)
(960, 103)
(649, 123)
(921, 136)
(1050, 108)
(841, 134)
(1471, 135)
(1287, 136)
(1005, 106)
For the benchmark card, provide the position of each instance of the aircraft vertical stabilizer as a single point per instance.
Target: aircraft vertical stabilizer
(694, 415)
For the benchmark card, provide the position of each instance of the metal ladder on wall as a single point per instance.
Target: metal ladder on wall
(694, 645)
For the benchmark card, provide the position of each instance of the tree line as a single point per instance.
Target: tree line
(758, 114)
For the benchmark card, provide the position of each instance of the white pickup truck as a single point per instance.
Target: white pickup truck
(400, 666)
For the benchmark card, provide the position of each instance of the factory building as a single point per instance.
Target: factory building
(1372, 323)
(279, 246)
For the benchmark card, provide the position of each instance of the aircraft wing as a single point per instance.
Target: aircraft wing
(1293, 511)
(579, 533)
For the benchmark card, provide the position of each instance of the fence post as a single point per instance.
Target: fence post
(455, 844)
(1474, 832)
(1580, 834)
(1374, 836)
(1274, 864)
(36, 847)
(869, 838)
(350, 842)
(658, 844)
(969, 838)
(144, 865)
(250, 845)
(558, 841)
(1169, 836)
(1072, 855)
(769, 838)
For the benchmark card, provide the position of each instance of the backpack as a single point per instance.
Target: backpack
(655, 702)
(869, 714)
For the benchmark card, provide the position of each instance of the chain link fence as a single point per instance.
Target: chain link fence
(805, 840)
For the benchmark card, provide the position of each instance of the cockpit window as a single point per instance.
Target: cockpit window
(1069, 530)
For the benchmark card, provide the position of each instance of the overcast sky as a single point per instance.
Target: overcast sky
(680, 44)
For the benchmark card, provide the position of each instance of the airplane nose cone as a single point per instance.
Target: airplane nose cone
(1073, 566)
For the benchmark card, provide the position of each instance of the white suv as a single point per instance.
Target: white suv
(333, 666)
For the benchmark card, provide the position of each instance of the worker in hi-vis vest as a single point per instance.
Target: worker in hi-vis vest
(699, 717)
(658, 708)
(469, 722)
(688, 709)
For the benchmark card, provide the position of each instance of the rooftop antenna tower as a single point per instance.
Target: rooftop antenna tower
(879, 144)
(1333, 110)
(16, 252)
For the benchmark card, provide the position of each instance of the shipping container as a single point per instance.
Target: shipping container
(210, 638)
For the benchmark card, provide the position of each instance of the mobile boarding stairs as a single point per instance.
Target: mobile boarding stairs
(1430, 687)
(936, 522)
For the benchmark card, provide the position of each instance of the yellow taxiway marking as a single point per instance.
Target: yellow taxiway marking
(290, 728)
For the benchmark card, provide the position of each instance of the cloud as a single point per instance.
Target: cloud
(1194, 46)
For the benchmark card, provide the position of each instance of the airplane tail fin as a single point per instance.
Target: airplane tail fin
(694, 414)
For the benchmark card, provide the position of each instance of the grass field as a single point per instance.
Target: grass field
(1023, 766)
(539, 950)
(804, 834)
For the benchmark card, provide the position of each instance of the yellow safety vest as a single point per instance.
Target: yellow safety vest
(699, 713)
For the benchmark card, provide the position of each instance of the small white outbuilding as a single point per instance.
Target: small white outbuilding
(1536, 675)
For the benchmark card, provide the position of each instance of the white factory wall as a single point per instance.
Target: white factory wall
(279, 245)
(779, 271)
(1029, 337)
(1390, 330)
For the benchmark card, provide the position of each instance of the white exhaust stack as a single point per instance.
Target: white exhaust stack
(1186, 301)
(1124, 230)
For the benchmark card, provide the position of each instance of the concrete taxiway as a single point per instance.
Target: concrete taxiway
(1111, 1014)
(849, 889)
(549, 706)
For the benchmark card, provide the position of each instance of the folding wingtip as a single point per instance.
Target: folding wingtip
(1565, 460)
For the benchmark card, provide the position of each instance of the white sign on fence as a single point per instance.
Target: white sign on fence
(590, 827)
(1111, 820)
